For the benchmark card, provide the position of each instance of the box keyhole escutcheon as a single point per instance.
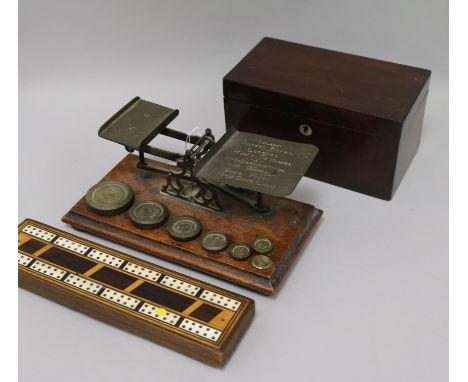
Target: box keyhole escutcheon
(305, 129)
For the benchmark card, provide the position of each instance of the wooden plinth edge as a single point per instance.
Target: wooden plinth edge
(264, 285)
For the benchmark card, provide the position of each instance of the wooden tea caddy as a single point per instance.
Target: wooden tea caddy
(365, 115)
(235, 185)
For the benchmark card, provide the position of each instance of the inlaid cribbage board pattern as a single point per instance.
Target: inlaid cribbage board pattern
(184, 306)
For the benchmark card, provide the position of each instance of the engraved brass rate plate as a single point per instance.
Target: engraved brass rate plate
(256, 162)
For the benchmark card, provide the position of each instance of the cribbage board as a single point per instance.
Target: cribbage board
(184, 314)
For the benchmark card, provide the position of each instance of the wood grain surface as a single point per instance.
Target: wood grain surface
(288, 225)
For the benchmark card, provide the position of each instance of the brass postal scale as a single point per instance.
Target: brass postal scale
(220, 208)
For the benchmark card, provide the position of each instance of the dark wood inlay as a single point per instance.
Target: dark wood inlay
(32, 246)
(160, 278)
(179, 321)
(140, 304)
(112, 277)
(163, 296)
(67, 260)
(205, 312)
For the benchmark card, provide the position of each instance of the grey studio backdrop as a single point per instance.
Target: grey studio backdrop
(366, 300)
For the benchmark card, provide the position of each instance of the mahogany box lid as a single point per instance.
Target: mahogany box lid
(312, 81)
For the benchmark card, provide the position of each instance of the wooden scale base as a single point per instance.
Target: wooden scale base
(288, 225)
